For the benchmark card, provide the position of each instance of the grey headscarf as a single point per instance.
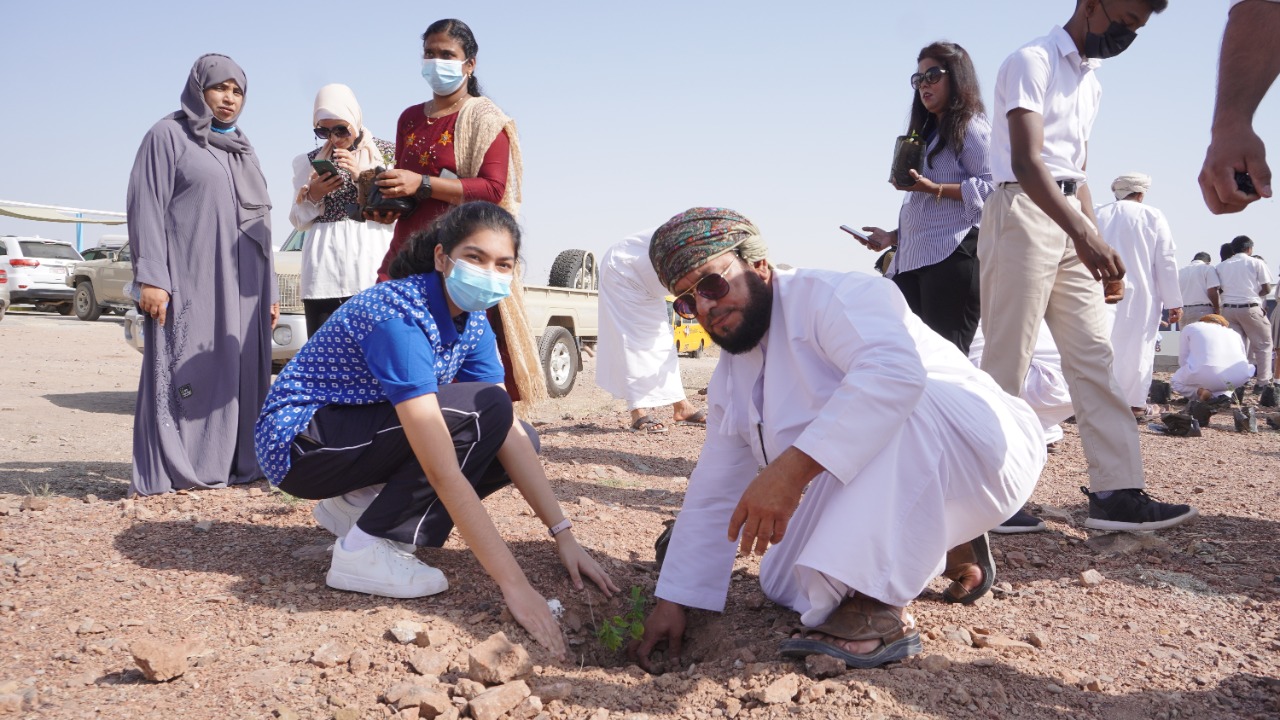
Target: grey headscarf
(246, 175)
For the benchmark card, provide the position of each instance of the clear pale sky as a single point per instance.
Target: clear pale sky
(628, 112)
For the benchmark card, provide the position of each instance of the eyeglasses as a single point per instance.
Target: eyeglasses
(341, 131)
(711, 286)
(928, 77)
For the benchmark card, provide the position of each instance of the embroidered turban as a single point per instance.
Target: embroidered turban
(697, 236)
(1126, 185)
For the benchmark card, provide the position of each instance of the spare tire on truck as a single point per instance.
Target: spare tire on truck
(575, 269)
(558, 353)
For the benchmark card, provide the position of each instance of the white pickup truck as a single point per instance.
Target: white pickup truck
(563, 316)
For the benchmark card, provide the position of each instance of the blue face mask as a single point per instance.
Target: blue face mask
(444, 76)
(474, 289)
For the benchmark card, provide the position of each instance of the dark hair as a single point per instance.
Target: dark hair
(459, 31)
(1241, 243)
(1204, 256)
(966, 97)
(1226, 251)
(448, 230)
(1157, 6)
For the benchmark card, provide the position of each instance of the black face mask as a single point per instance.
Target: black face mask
(1114, 40)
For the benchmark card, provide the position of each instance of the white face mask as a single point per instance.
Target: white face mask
(444, 76)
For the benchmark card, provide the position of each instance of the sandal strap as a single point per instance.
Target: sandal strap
(861, 618)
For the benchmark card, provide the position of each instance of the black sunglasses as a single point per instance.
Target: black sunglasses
(341, 131)
(928, 77)
(712, 286)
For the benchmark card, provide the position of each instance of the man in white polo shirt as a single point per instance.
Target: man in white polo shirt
(1041, 255)
(1194, 280)
(1244, 281)
(1248, 66)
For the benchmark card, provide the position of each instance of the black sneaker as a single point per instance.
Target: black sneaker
(1133, 510)
(1021, 522)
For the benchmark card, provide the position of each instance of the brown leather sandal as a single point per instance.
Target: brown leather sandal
(858, 618)
(975, 553)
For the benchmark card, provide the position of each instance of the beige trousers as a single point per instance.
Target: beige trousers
(1029, 271)
(1193, 313)
(1255, 328)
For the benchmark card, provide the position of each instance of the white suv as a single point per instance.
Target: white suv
(36, 271)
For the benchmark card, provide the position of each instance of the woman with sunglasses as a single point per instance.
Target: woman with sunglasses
(936, 263)
(458, 147)
(343, 250)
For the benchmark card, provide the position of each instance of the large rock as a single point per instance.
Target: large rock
(406, 631)
(434, 704)
(330, 655)
(498, 701)
(428, 662)
(407, 694)
(160, 662)
(821, 666)
(498, 660)
(779, 691)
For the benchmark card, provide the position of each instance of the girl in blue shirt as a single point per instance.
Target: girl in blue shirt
(393, 417)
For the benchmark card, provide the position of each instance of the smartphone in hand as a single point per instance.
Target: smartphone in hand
(861, 238)
(324, 167)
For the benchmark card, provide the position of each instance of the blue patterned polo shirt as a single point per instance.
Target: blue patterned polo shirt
(391, 343)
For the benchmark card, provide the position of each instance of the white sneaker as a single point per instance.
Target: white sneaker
(381, 569)
(337, 516)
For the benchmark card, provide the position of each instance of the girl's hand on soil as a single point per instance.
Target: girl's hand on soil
(530, 609)
(580, 564)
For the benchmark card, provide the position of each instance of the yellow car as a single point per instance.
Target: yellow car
(690, 337)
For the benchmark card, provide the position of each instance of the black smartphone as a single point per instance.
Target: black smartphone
(861, 238)
(324, 167)
(1245, 183)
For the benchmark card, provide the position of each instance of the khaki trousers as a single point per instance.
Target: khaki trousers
(1029, 270)
(1255, 328)
(1193, 313)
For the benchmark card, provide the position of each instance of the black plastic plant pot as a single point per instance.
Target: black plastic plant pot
(908, 155)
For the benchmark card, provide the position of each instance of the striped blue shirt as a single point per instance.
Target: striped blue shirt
(929, 230)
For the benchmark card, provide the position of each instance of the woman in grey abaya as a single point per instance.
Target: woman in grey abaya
(200, 234)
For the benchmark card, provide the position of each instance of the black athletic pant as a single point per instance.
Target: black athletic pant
(946, 295)
(317, 311)
(348, 447)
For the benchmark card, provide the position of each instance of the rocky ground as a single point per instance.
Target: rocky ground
(220, 596)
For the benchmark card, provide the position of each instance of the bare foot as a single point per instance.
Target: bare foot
(969, 575)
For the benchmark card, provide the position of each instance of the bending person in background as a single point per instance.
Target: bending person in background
(1141, 235)
(200, 237)
(400, 387)
(936, 263)
(636, 359)
(459, 147)
(1248, 66)
(1211, 361)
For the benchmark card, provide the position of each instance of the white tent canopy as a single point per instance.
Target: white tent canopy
(55, 213)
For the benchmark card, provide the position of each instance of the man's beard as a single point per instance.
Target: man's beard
(755, 318)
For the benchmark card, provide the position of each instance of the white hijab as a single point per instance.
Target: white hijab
(337, 102)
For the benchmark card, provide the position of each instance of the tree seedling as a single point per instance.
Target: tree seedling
(615, 631)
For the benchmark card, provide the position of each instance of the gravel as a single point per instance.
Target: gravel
(1182, 624)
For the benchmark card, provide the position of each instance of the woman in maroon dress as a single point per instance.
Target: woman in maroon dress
(458, 147)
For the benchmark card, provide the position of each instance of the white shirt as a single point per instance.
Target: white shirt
(845, 368)
(1241, 278)
(1047, 76)
(1142, 236)
(1195, 281)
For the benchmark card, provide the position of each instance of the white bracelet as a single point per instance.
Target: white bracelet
(560, 527)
